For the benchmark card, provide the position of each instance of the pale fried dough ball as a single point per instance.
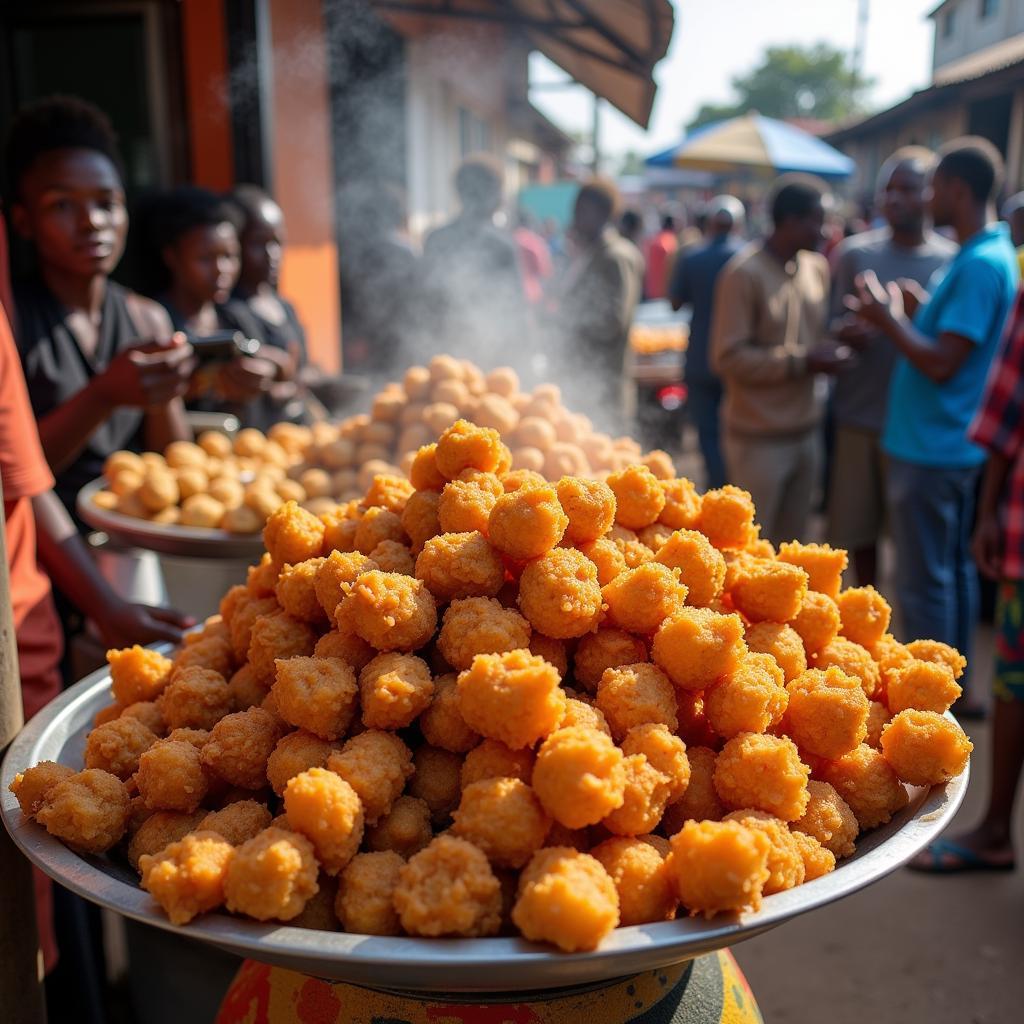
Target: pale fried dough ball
(184, 453)
(750, 698)
(87, 810)
(513, 697)
(325, 809)
(527, 522)
(196, 698)
(726, 517)
(159, 830)
(457, 565)
(376, 525)
(699, 801)
(272, 876)
(566, 898)
(107, 714)
(295, 753)
(579, 776)
(116, 746)
(345, 646)
(853, 659)
(491, 759)
(535, 432)
(262, 500)
(187, 877)
(763, 772)
(416, 382)
(313, 483)
(238, 822)
(697, 646)
(389, 611)
(589, 506)
(202, 510)
(366, 890)
(405, 829)
(868, 784)
(529, 459)
(935, 650)
(785, 861)
(436, 780)
(605, 554)
(865, 615)
(827, 714)
(494, 411)
(640, 599)
(376, 765)
(636, 694)
(921, 685)
(249, 442)
(817, 622)
(551, 650)
(878, 716)
(479, 625)
(137, 673)
(559, 594)
(171, 777)
(639, 496)
(277, 637)
(317, 694)
(768, 591)
(824, 565)
(420, 519)
(239, 746)
(701, 566)
(31, 786)
(122, 461)
(924, 748)
(644, 798)
(828, 819)
(231, 494)
(292, 535)
(394, 689)
(503, 818)
(159, 489)
(335, 575)
(503, 381)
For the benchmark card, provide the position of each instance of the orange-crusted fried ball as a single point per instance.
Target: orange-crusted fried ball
(327, 811)
(925, 748)
(466, 446)
(637, 694)
(171, 776)
(889, 655)
(817, 623)
(88, 810)
(420, 518)
(261, 578)
(868, 784)
(639, 496)
(242, 623)
(701, 566)
(644, 798)
(238, 822)
(246, 690)
(579, 713)
(272, 876)
(277, 637)
(699, 801)
(782, 642)
(641, 599)
(516, 478)
(750, 698)
(589, 506)
(921, 685)
(527, 522)
(864, 614)
(376, 525)
(442, 723)
(817, 860)
(388, 491)
(187, 878)
(554, 652)
(697, 646)
(465, 506)
(116, 746)
(107, 714)
(559, 594)
(316, 694)
(768, 591)
(389, 611)
(292, 534)
(448, 888)
(336, 574)
(664, 752)
(457, 565)
(514, 697)
(638, 872)
(566, 898)
(605, 554)
(405, 829)
(197, 698)
(480, 625)
(366, 891)
(197, 737)
(827, 714)
(340, 525)
(655, 536)
(345, 646)
(391, 556)
(294, 754)
(785, 861)
(376, 765)
(878, 716)
(853, 659)
(211, 652)
(159, 830)
(239, 746)
(682, 504)
(491, 759)
(502, 817)
(423, 473)
(393, 689)
(718, 866)
(763, 772)
(935, 650)
(436, 781)
(632, 549)
(137, 673)
(607, 647)
(31, 786)
(579, 776)
(296, 590)
(828, 819)
(824, 565)
(726, 517)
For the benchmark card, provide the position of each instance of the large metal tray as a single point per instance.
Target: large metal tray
(186, 541)
(431, 965)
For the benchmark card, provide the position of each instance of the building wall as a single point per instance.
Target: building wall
(970, 31)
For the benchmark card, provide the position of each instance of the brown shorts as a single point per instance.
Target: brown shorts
(856, 500)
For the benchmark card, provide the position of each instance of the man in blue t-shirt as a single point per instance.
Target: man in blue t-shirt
(945, 350)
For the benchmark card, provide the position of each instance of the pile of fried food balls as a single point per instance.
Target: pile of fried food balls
(480, 703)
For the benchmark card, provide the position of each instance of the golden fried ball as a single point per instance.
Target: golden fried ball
(817, 622)
(187, 877)
(394, 689)
(345, 646)
(116, 746)
(865, 615)
(405, 829)
(277, 637)
(388, 491)
(750, 698)
(292, 535)
(466, 446)
(184, 453)
(527, 522)
(366, 890)
(261, 579)
(762, 772)
(159, 830)
(376, 765)
(424, 474)
(196, 698)
(503, 818)
(553, 651)
(638, 694)
(607, 647)
(935, 650)
(878, 716)
(579, 776)
(699, 801)
(238, 822)
(640, 877)
(697, 646)
(317, 694)
(436, 780)
(644, 798)
(491, 759)
(137, 673)
(295, 753)
(159, 489)
(579, 713)
(921, 685)
(335, 575)
(827, 714)
(391, 556)
(682, 504)
(607, 557)
(701, 566)
(203, 511)
(31, 786)
(824, 565)
(87, 810)
(442, 723)
(327, 811)
(389, 611)
(296, 590)
(340, 526)
(171, 777)
(272, 876)
(123, 461)
(828, 819)
(665, 753)
(559, 594)
(457, 565)
(853, 659)
(726, 517)
(925, 748)
(376, 525)
(639, 496)
(768, 591)
(785, 861)
(239, 746)
(231, 494)
(420, 519)
(207, 652)
(589, 506)
(641, 599)
(868, 784)
(480, 625)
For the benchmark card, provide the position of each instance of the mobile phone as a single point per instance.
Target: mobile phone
(222, 346)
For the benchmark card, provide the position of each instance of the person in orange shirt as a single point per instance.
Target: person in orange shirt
(660, 252)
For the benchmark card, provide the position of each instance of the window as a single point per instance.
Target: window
(474, 133)
(948, 23)
(986, 8)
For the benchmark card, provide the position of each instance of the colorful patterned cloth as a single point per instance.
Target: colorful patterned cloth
(1008, 673)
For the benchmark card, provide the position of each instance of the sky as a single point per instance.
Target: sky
(714, 40)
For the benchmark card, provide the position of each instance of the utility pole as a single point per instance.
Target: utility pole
(860, 39)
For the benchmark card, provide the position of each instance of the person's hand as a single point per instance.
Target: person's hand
(913, 295)
(875, 303)
(830, 358)
(149, 374)
(986, 546)
(122, 623)
(245, 378)
(853, 331)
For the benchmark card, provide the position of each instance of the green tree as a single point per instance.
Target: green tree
(794, 81)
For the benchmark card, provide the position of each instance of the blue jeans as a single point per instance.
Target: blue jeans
(931, 514)
(703, 399)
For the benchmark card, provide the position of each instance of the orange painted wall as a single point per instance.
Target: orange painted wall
(302, 173)
(204, 42)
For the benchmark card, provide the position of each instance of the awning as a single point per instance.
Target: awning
(610, 46)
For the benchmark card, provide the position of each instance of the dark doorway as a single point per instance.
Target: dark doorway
(990, 118)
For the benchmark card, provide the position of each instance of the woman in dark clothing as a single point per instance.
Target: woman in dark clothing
(105, 369)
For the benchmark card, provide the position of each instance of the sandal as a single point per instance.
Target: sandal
(966, 860)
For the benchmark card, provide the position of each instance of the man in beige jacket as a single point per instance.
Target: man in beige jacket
(767, 345)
